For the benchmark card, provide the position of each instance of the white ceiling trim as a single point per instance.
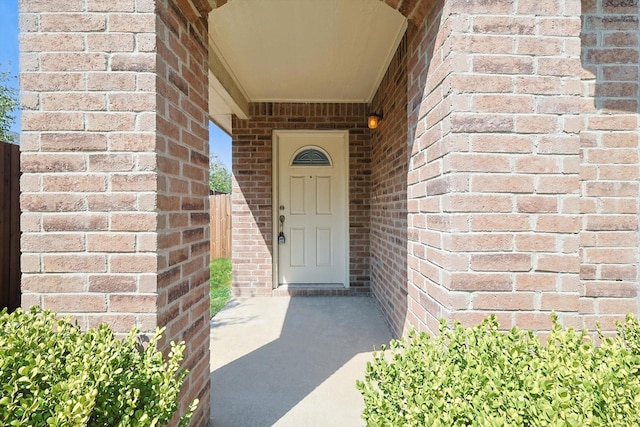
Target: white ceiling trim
(214, 47)
(390, 54)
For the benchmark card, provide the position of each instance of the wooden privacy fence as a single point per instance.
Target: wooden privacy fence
(10, 226)
(220, 211)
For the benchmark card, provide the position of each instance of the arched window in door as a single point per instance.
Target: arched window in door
(311, 156)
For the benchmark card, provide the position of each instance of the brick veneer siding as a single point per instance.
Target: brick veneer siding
(114, 161)
(182, 151)
(252, 198)
(494, 182)
(609, 161)
(88, 162)
(511, 141)
(429, 62)
(389, 165)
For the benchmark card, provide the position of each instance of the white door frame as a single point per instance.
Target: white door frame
(275, 188)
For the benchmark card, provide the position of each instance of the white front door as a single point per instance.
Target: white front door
(310, 207)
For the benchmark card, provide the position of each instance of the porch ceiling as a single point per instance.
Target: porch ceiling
(298, 51)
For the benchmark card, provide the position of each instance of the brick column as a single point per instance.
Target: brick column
(493, 180)
(609, 167)
(114, 160)
(428, 63)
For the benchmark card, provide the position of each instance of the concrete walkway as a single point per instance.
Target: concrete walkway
(292, 362)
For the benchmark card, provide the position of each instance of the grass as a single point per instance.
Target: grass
(220, 292)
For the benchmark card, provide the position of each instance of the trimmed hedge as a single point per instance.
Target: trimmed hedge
(482, 376)
(52, 374)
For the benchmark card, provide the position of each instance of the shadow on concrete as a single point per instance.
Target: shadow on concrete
(293, 362)
(220, 321)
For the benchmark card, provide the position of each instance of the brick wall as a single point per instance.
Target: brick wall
(609, 161)
(114, 160)
(389, 165)
(88, 161)
(183, 192)
(494, 174)
(429, 63)
(251, 199)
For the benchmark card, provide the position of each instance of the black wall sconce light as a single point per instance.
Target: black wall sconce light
(373, 120)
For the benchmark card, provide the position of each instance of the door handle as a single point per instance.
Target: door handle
(281, 238)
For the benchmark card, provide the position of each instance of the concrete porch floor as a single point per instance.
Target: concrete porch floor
(292, 361)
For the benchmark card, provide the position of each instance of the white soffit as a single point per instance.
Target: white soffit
(306, 50)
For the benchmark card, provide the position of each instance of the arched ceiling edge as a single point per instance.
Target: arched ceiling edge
(413, 10)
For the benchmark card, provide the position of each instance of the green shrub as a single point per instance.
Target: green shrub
(52, 374)
(482, 376)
